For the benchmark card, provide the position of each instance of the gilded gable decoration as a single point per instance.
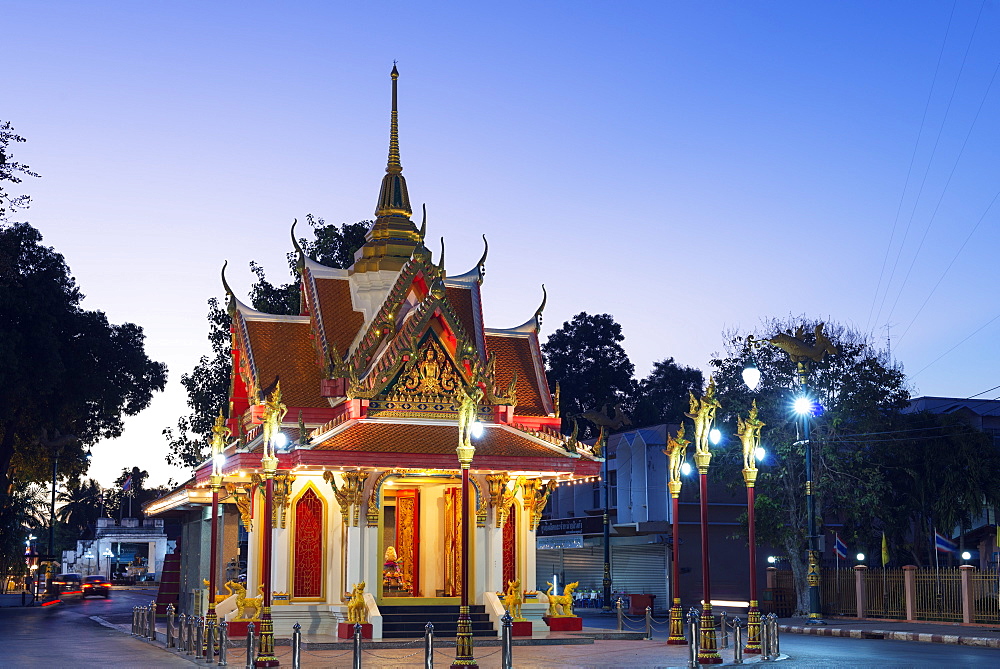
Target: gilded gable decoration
(349, 494)
(433, 374)
(282, 497)
(243, 496)
(536, 497)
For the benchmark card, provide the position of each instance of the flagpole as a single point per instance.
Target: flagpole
(937, 570)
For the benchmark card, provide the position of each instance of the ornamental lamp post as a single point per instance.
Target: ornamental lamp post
(703, 413)
(274, 412)
(219, 434)
(676, 450)
(749, 433)
(802, 354)
(468, 426)
(108, 554)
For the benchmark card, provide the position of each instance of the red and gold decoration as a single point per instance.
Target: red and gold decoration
(274, 412)
(702, 412)
(676, 451)
(219, 434)
(749, 433)
(308, 548)
(467, 415)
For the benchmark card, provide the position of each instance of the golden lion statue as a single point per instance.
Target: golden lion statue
(357, 610)
(243, 602)
(513, 599)
(561, 606)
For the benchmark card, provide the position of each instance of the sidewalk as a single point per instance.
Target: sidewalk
(897, 630)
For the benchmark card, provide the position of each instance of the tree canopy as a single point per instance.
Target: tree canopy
(207, 385)
(11, 171)
(662, 397)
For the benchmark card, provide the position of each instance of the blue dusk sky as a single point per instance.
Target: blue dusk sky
(688, 167)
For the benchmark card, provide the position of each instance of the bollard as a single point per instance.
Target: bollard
(765, 639)
(144, 622)
(250, 645)
(723, 623)
(210, 642)
(296, 646)
(774, 635)
(694, 642)
(181, 621)
(223, 644)
(507, 641)
(189, 635)
(133, 621)
(152, 620)
(618, 606)
(649, 623)
(357, 646)
(199, 637)
(737, 641)
(170, 626)
(429, 645)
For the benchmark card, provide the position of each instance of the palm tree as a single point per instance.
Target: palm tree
(81, 504)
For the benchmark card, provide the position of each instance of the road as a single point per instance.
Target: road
(66, 636)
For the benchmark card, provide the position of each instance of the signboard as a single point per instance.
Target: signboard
(564, 541)
(562, 526)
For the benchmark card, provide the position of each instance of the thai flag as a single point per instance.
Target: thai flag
(840, 547)
(128, 484)
(943, 544)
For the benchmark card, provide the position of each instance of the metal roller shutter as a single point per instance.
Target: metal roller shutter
(641, 569)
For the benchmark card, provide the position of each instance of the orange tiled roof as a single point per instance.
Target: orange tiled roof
(340, 322)
(284, 349)
(461, 302)
(386, 437)
(514, 353)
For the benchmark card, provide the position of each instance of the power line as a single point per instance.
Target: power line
(974, 332)
(909, 169)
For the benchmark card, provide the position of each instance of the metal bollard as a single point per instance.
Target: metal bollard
(724, 629)
(774, 635)
(199, 637)
(250, 644)
(737, 641)
(649, 623)
(133, 621)
(357, 646)
(429, 645)
(181, 620)
(152, 620)
(765, 639)
(209, 642)
(296, 646)
(170, 626)
(507, 641)
(618, 606)
(223, 644)
(694, 642)
(189, 635)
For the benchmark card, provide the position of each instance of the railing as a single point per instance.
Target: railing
(839, 592)
(886, 598)
(985, 592)
(938, 595)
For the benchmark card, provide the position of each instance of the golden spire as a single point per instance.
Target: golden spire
(393, 200)
(393, 238)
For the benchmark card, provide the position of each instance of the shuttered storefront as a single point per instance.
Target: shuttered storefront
(640, 568)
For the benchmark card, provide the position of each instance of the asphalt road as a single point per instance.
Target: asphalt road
(66, 636)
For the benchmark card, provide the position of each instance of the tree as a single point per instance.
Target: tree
(12, 171)
(860, 391)
(81, 504)
(69, 376)
(585, 357)
(207, 385)
(662, 397)
(129, 503)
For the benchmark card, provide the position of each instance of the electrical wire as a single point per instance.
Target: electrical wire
(974, 333)
(909, 169)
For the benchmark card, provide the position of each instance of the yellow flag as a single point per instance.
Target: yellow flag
(885, 551)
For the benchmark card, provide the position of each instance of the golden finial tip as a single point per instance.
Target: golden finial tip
(395, 73)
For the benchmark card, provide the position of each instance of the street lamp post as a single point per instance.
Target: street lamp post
(219, 434)
(89, 557)
(606, 581)
(749, 432)
(801, 353)
(108, 554)
(703, 414)
(676, 450)
(468, 415)
(274, 412)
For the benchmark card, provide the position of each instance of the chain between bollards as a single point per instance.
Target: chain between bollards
(251, 642)
(357, 646)
(429, 645)
(507, 641)
(296, 646)
(618, 608)
(223, 644)
(694, 632)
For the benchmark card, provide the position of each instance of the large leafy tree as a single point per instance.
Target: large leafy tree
(662, 397)
(586, 358)
(207, 385)
(11, 171)
(860, 391)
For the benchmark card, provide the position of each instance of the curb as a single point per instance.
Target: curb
(982, 642)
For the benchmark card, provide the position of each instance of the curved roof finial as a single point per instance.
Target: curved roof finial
(541, 307)
(482, 261)
(423, 224)
(230, 295)
(441, 259)
(300, 254)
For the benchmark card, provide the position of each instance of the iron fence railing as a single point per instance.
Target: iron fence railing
(938, 595)
(839, 592)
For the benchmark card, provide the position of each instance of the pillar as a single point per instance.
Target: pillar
(861, 588)
(772, 578)
(967, 601)
(910, 590)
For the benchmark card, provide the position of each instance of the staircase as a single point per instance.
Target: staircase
(170, 582)
(407, 622)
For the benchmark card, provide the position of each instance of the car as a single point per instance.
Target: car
(66, 585)
(96, 586)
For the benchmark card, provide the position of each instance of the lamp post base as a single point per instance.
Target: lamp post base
(265, 649)
(709, 652)
(753, 630)
(676, 637)
(815, 619)
(463, 641)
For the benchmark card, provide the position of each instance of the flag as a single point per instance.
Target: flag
(943, 544)
(839, 547)
(128, 484)
(885, 550)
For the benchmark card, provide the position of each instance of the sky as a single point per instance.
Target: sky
(688, 167)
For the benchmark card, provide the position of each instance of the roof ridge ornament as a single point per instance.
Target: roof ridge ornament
(300, 261)
(230, 295)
